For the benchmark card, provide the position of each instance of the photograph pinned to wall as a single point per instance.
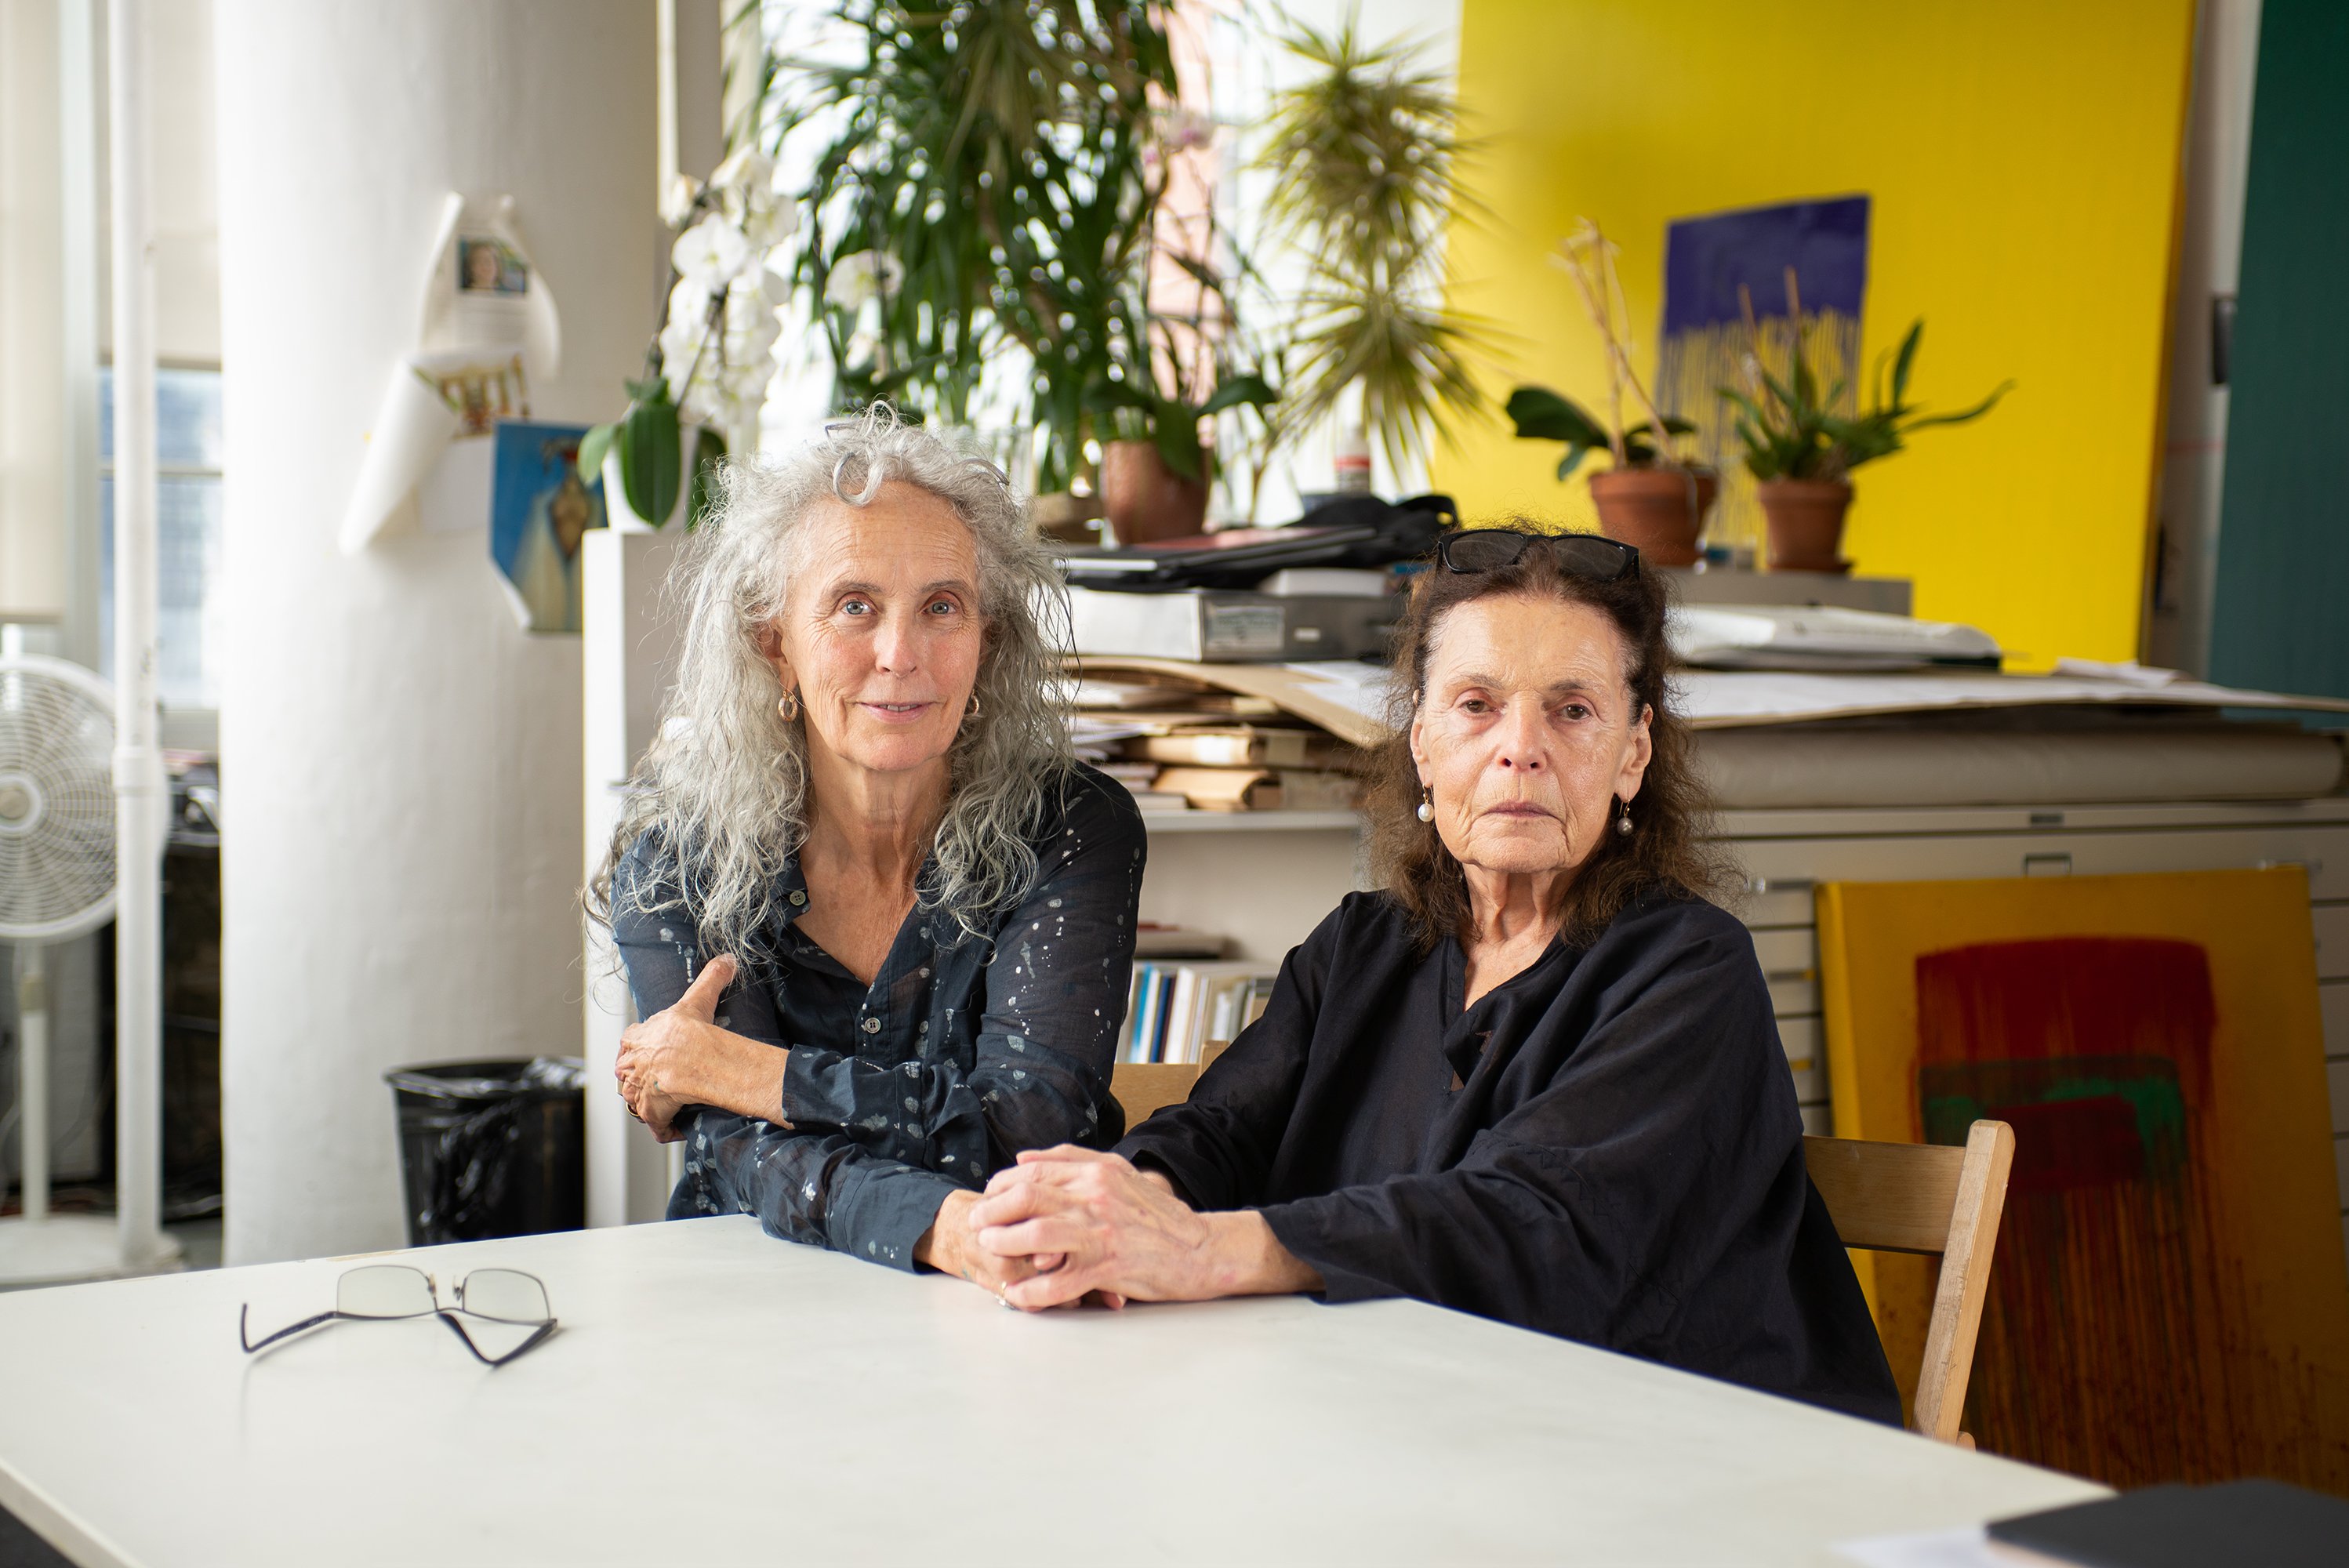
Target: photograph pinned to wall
(1714, 265)
(2168, 1299)
(539, 512)
(486, 264)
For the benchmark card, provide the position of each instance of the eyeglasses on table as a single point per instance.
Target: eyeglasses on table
(388, 1291)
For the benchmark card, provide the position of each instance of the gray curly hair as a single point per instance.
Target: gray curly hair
(724, 786)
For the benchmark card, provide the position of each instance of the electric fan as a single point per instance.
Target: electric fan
(57, 882)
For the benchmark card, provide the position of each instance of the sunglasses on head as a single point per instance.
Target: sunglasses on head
(1586, 556)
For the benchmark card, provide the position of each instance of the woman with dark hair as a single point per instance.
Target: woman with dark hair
(1536, 1075)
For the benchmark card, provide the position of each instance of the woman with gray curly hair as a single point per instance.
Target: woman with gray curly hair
(878, 922)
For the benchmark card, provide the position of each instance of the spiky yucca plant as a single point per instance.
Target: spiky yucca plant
(1362, 155)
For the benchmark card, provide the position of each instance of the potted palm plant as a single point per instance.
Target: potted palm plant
(1361, 152)
(987, 174)
(1801, 451)
(1652, 499)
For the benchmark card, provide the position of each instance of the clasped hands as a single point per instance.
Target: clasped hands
(679, 1057)
(1094, 1227)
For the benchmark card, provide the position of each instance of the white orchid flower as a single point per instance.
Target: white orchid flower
(861, 277)
(712, 253)
(677, 202)
(770, 225)
(745, 169)
(688, 303)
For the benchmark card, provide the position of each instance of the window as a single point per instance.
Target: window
(187, 534)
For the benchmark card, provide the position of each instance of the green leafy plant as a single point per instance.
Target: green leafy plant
(986, 183)
(1542, 415)
(1790, 431)
(1142, 412)
(1361, 155)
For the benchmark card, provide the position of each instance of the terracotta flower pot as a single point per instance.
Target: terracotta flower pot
(1806, 519)
(1145, 500)
(1651, 509)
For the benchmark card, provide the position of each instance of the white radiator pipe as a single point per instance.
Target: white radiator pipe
(33, 1079)
(141, 799)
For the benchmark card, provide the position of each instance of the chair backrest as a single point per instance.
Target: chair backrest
(1142, 1088)
(1926, 1198)
(1145, 1087)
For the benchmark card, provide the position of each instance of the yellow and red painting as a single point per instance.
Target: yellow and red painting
(2168, 1300)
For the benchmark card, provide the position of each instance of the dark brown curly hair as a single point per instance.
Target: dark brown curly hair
(1668, 847)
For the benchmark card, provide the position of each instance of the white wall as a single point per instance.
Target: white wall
(403, 764)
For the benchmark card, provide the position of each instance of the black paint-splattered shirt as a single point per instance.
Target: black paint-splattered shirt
(962, 1051)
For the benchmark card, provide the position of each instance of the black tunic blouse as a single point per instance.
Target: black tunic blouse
(962, 1051)
(1606, 1147)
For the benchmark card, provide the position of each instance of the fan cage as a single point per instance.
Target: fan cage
(57, 800)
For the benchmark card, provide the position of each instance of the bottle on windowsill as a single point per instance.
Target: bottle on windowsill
(1352, 461)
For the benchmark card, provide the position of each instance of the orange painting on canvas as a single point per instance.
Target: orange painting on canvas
(2170, 1300)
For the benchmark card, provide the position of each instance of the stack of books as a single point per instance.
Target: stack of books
(1184, 746)
(1176, 1007)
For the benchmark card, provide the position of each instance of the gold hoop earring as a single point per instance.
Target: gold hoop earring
(789, 707)
(971, 710)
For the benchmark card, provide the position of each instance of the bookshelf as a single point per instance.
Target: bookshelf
(1251, 822)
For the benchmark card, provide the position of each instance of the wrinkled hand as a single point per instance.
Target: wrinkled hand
(679, 1057)
(1120, 1232)
(950, 1246)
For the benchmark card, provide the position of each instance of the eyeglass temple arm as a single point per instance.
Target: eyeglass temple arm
(457, 1329)
(251, 1345)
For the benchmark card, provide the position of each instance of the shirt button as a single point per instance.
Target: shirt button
(872, 1026)
(799, 895)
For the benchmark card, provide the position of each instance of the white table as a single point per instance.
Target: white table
(718, 1398)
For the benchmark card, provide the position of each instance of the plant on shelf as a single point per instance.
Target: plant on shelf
(713, 352)
(985, 181)
(1652, 499)
(1801, 451)
(1156, 472)
(1361, 156)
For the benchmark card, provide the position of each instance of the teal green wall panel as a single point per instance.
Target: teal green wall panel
(2281, 605)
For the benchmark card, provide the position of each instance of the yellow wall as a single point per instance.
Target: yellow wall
(2022, 162)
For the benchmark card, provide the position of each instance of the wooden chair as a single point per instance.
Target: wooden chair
(1926, 1198)
(1145, 1088)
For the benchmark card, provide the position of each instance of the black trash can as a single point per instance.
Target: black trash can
(493, 1149)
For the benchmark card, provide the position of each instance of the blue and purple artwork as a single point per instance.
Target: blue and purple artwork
(1718, 263)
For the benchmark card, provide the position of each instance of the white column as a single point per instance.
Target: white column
(630, 648)
(402, 848)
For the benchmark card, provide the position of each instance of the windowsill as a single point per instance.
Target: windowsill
(189, 730)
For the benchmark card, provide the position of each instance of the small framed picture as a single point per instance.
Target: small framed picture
(539, 511)
(489, 266)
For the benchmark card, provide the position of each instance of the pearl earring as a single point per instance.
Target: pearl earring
(789, 707)
(1623, 820)
(1426, 804)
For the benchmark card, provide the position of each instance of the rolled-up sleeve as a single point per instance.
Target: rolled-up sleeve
(1050, 1005)
(819, 1186)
